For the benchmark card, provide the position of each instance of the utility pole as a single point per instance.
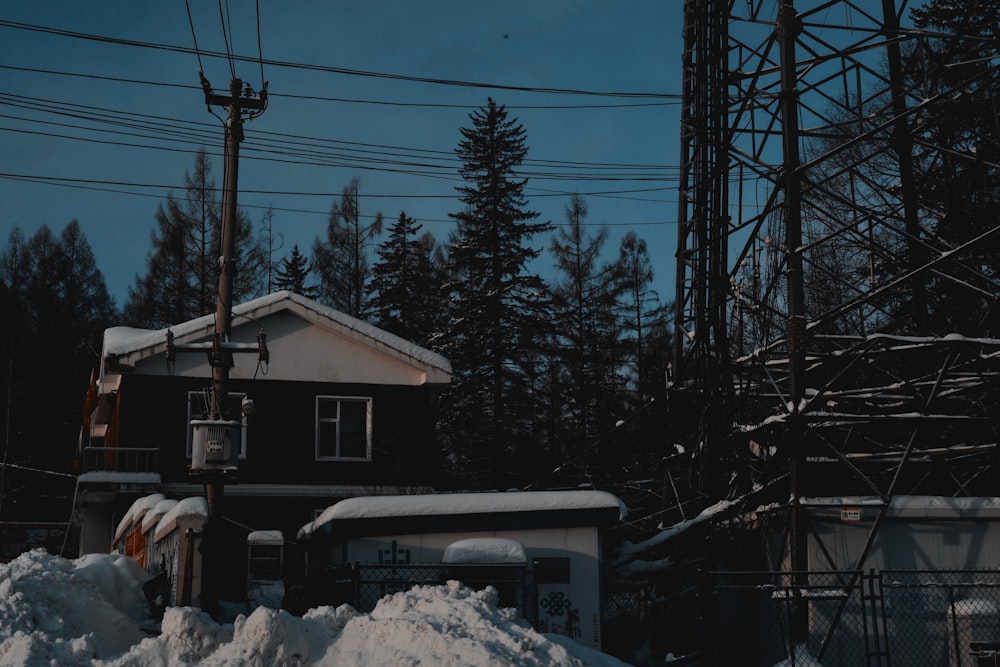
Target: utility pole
(236, 102)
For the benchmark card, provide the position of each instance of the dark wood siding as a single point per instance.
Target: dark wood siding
(281, 435)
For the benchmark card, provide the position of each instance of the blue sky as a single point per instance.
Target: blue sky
(629, 46)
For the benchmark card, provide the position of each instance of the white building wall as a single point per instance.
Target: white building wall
(573, 609)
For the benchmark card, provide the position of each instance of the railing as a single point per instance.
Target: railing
(121, 459)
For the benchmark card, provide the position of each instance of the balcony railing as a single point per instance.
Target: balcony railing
(121, 459)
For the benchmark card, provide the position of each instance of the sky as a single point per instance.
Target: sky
(92, 611)
(408, 73)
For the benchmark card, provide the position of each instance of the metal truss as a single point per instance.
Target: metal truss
(826, 324)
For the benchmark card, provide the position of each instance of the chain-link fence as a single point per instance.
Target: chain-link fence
(893, 617)
(934, 617)
(373, 582)
(752, 615)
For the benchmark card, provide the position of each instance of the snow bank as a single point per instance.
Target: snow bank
(62, 612)
(91, 611)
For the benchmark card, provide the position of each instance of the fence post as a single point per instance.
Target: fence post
(953, 614)
(356, 583)
(709, 617)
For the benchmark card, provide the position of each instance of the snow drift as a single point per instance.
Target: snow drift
(92, 611)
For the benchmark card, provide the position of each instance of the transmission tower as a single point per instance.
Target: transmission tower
(807, 260)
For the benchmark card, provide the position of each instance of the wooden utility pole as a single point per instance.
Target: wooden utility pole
(220, 357)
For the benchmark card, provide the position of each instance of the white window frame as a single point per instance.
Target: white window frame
(201, 395)
(367, 400)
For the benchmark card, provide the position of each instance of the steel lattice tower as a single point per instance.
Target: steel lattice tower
(808, 255)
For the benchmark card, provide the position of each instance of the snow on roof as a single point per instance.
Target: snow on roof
(272, 537)
(917, 506)
(136, 512)
(125, 340)
(480, 550)
(372, 507)
(190, 511)
(153, 516)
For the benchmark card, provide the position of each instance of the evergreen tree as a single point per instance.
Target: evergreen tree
(182, 274)
(292, 274)
(58, 308)
(341, 261)
(585, 296)
(406, 283)
(498, 308)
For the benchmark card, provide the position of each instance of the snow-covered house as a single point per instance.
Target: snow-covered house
(542, 550)
(342, 409)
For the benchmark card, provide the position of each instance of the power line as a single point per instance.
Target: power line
(194, 37)
(95, 185)
(347, 100)
(275, 143)
(225, 39)
(300, 193)
(330, 69)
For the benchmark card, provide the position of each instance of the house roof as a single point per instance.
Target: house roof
(448, 512)
(127, 345)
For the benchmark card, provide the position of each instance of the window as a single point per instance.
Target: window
(343, 428)
(200, 407)
(551, 570)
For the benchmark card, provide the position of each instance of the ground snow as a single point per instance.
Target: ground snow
(91, 612)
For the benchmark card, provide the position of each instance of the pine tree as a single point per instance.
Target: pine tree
(341, 261)
(405, 281)
(292, 274)
(498, 308)
(182, 273)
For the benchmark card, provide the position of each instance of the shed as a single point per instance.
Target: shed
(549, 541)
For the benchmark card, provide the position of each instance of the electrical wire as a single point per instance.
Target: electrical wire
(260, 51)
(225, 40)
(194, 37)
(94, 185)
(335, 70)
(349, 100)
(313, 150)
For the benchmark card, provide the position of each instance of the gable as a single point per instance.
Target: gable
(307, 342)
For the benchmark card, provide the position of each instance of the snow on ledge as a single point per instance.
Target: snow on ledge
(98, 476)
(267, 537)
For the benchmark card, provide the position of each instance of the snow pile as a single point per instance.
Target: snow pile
(91, 611)
(57, 611)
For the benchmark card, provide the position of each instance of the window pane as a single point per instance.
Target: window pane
(326, 435)
(326, 408)
(354, 429)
